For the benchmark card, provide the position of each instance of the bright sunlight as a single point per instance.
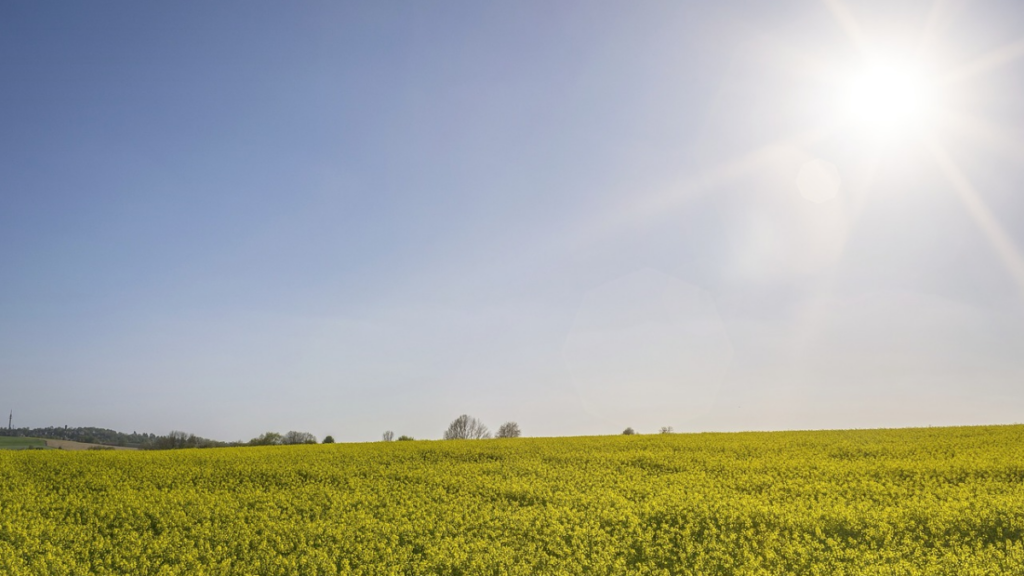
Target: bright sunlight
(889, 100)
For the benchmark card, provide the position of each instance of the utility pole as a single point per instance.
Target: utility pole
(9, 420)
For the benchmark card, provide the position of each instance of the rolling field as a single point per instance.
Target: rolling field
(72, 445)
(916, 501)
(18, 443)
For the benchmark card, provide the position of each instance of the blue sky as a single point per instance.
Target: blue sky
(348, 218)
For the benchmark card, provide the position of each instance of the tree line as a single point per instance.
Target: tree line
(464, 427)
(176, 439)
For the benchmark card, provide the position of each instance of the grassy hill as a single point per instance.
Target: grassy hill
(19, 443)
(930, 501)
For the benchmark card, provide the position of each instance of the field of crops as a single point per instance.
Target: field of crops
(919, 501)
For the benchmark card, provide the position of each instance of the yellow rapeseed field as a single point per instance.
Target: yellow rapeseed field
(931, 501)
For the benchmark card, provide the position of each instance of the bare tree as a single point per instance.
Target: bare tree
(389, 436)
(629, 432)
(666, 430)
(508, 430)
(178, 439)
(466, 428)
(293, 437)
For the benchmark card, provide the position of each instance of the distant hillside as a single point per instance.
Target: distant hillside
(88, 435)
(107, 437)
(13, 443)
(173, 440)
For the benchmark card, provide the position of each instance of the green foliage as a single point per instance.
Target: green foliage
(177, 439)
(328, 439)
(917, 502)
(629, 432)
(293, 437)
(404, 438)
(267, 439)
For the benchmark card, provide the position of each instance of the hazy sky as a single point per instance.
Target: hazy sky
(344, 218)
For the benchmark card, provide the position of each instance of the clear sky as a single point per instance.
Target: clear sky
(344, 218)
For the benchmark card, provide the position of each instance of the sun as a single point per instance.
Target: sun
(889, 100)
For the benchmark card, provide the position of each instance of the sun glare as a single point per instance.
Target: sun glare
(889, 101)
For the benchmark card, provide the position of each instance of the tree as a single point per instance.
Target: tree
(466, 428)
(629, 432)
(266, 439)
(178, 439)
(666, 430)
(508, 430)
(404, 438)
(293, 437)
(389, 436)
(328, 439)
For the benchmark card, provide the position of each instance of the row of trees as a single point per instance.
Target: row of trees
(288, 438)
(178, 439)
(465, 427)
